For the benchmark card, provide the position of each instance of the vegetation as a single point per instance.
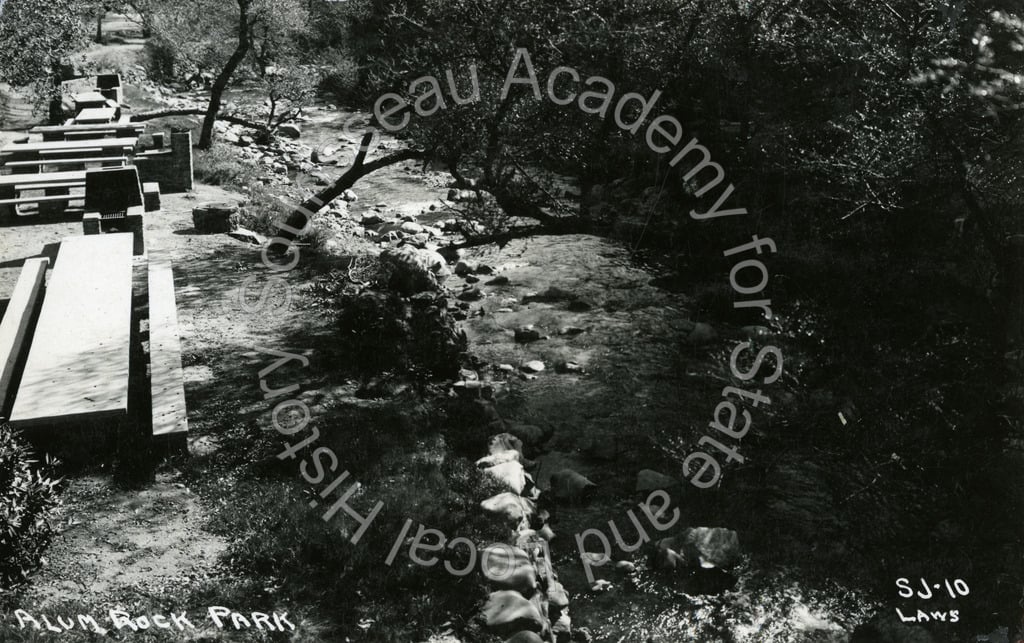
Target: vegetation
(37, 37)
(27, 496)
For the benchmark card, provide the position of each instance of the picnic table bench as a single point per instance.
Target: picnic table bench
(167, 387)
(47, 162)
(54, 184)
(78, 364)
(14, 327)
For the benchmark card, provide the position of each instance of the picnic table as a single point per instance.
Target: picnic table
(93, 115)
(119, 145)
(78, 364)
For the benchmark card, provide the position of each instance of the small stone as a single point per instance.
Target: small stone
(349, 195)
(625, 567)
(498, 281)
(463, 268)
(650, 480)
(570, 330)
(371, 219)
(702, 333)
(568, 367)
(533, 366)
(527, 334)
(569, 485)
(601, 586)
(471, 294)
(507, 368)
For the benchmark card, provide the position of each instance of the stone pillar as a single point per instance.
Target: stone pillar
(181, 150)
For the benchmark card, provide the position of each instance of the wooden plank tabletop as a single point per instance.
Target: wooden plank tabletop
(91, 115)
(45, 177)
(39, 129)
(77, 367)
(40, 146)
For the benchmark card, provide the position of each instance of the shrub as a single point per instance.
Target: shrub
(382, 332)
(220, 166)
(27, 496)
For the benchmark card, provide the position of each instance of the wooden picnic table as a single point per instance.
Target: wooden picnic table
(77, 366)
(36, 147)
(12, 180)
(94, 115)
(122, 124)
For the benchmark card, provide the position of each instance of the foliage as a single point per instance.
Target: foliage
(219, 165)
(380, 332)
(27, 496)
(36, 37)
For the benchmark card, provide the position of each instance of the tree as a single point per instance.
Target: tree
(228, 34)
(36, 38)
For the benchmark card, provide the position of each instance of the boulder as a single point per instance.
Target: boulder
(510, 474)
(533, 366)
(463, 268)
(350, 196)
(507, 611)
(291, 130)
(500, 457)
(702, 334)
(569, 485)
(508, 567)
(414, 270)
(525, 637)
(557, 595)
(704, 547)
(527, 334)
(650, 480)
(504, 442)
(215, 217)
(509, 505)
(530, 434)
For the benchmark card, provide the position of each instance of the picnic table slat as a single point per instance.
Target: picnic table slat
(77, 367)
(73, 146)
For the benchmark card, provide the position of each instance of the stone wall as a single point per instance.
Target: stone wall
(171, 168)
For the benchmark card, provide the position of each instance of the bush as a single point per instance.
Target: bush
(383, 333)
(219, 165)
(27, 495)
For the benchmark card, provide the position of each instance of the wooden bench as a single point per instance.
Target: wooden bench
(14, 327)
(167, 384)
(78, 365)
(55, 184)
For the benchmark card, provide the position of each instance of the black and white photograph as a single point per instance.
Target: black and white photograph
(512, 321)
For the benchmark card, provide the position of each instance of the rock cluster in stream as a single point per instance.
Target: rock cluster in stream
(527, 603)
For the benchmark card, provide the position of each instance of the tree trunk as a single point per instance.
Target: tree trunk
(219, 85)
(300, 217)
(99, 25)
